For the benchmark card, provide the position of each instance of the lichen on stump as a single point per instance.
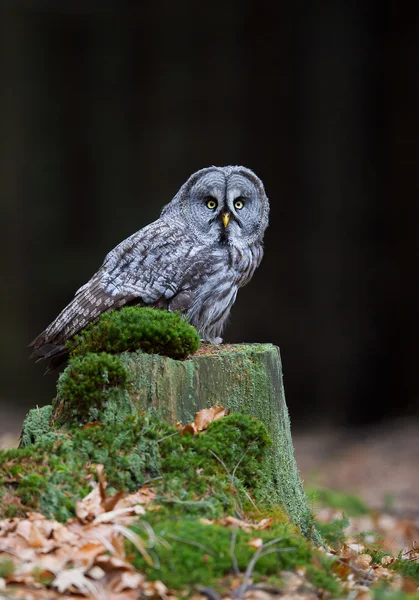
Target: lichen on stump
(242, 378)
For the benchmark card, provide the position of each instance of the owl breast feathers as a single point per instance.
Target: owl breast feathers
(206, 244)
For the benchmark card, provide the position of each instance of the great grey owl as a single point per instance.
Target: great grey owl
(206, 244)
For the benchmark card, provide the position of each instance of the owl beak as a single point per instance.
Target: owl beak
(226, 218)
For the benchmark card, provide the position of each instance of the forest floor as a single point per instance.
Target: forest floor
(379, 465)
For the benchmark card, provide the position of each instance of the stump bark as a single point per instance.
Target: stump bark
(243, 378)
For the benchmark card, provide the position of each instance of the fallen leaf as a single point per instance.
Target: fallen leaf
(96, 573)
(91, 505)
(255, 543)
(388, 560)
(155, 589)
(363, 595)
(202, 419)
(189, 428)
(363, 561)
(74, 580)
(92, 424)
(127, 581)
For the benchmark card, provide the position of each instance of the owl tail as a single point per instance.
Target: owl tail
(54, 354)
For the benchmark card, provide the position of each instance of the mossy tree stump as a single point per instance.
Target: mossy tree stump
(242, 378)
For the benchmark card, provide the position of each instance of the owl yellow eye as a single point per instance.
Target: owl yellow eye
(238, 204)
(211, 204)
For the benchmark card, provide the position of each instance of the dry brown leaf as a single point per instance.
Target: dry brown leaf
(205, 521)
(92, 424)
(96, 573)
(127, 581)
(363, 595)
(85, 555)
(388, 560)
(74, 580)
(383, 573)
(109, 502)
(155, 589)
(231, 521)
(189, 428)
(91, 505)
(347, 552)
(363, 561)
(202, 419)
(255, 543)
(264, 523)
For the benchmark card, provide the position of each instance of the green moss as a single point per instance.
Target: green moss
(45, 478)
(194, 472)
(334, 532)
(322, 576)
(203, 466)
(131, 328)
(407, 568)
(191, 552)
(382, 592)
(36, 424)
(84, 386)
(350, 504)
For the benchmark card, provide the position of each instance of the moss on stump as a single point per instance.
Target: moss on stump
(243, 378)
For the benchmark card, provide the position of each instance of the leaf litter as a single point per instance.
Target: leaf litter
(86, 557)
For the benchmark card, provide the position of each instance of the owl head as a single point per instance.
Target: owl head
(222, 204)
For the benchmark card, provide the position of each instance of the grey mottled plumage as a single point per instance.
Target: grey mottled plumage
(206, 244)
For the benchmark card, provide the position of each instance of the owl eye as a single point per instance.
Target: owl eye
(212, 204)
(238, 204)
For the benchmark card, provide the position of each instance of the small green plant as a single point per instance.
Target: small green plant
(138, 328)
(382, 592)
(193, 552)
(407, 568)
(334, 532)
(352, 505)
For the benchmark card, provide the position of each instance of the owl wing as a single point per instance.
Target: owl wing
(147, 268)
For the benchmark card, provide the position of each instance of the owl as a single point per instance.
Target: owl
(206, 245)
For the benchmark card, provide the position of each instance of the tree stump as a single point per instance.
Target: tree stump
(244, 378)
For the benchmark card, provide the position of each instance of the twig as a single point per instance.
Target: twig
(243, 455)
(260, 552)
(208, 592)
(192, 543)
(252, 502)
(232, 554)
(166, 437)
(220, 460)
(152, 479)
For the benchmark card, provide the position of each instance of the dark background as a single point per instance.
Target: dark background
(106, 108)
